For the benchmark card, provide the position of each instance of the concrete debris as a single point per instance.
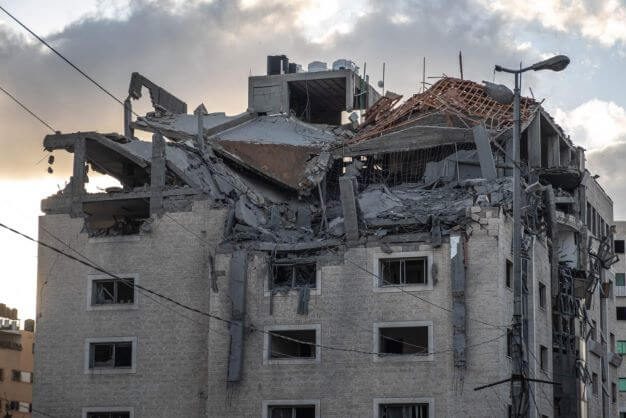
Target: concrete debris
(336, 227)
(412, 204)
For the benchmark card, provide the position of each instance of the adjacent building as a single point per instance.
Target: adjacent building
(325, 264)
(620, 301)
(16, 364)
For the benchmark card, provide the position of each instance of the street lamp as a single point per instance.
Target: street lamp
(503, 95)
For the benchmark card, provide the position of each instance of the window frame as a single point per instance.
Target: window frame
(267, 288)
(402, 357)
(617, 308)
(542, 291)
(289, 402)
(622, 276)
(619, 386)
(112, 370)
(383, 401)
(617, 347)
(107, 409)
(376, 276)
(508, 274)
(268, 360)
(91, 278)
(544, 364)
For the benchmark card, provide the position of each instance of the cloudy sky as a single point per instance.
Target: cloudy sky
(203, 51)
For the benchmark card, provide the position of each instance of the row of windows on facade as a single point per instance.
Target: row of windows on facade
(595, 223)
(393, 272)
(509, 281)
(282, 344)
(304, 410)
(18, 376)
(595, 387)
(16, 406)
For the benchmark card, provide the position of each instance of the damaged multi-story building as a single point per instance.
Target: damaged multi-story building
(344, 255)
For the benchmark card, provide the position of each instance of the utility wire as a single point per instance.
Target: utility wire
(23, 106)
(40, 39)
(209, 315)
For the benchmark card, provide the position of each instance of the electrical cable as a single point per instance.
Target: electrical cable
(206, 314)
(23, 106)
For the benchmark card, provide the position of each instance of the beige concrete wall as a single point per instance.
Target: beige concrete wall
(170, 378)
(21, 360)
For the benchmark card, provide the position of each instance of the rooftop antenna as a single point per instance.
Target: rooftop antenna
(424, 75)
(381, 83)
(461, 64)
(531, 92)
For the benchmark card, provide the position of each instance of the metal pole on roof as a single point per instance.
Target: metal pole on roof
(518, 386)
(519, 380)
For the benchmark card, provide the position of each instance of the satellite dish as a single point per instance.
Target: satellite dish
(381, 84)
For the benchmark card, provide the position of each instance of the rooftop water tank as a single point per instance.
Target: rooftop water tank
(317, 66)
(343, 64)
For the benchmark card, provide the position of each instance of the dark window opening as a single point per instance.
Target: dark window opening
(113, 291)
(108, 414)
(543, 357)
(509, 273)
(509, 342)
(403, 271)
(594, 383)
(542, 295)
(619, 246)
(403, 340)
(413, 410)
(111, 355)
(299, 411)
(295, 276)
(613, 392)
(115, 217)
(283, 346)
(318, 101)
(621, 313)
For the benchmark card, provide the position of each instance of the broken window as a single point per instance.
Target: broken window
(104, 414)
(619, 246)
(112, 291)
(543, 357)
(405, 410)
(621, 313)
(110, 355)
(403, 340)
(294, 276)
(285, 344)
(542, 295)
(295, 411)
(402, 271)
(115, 217)
(509, 273)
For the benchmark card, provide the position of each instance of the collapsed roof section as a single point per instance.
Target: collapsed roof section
(458, 103)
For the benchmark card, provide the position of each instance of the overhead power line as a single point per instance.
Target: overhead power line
(23, 106)
(51, 48)
(209, 315)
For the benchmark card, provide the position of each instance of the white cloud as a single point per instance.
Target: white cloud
(601, 20)
(594, 124)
